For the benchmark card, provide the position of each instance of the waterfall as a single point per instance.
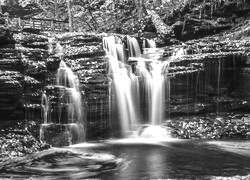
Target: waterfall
(59, 50)
(153, 79)
(149, 43)
(50, 45)
(139, 95)
(45, 105)
(63, 115)
(133, 47)
(157, 93)
(71, 96)
(179, 52)
(125, 85)
(114, 47)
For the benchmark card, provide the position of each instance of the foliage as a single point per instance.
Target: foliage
(122, 16)
(106, 16)
(19, 8)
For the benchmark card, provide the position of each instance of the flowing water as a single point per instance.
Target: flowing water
(69, 109)
(45, 108)
(139, 97)
(133, 47)
(71, 97)
(138, 159)
(139, 93)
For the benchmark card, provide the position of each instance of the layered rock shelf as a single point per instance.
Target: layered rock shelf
(207, 75)
(28, 68)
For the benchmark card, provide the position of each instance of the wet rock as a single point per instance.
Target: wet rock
(2, 20)
(11, 64)
(59, 135)
(228, 126)
(248, 135)
(16, 143)
(80, 39)
(79, 165)
(85, 51)
(5, 36)
(11, 89)
(32, 40)
(31, 30)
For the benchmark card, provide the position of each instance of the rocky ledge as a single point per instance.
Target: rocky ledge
(16, 141)
(211, 126)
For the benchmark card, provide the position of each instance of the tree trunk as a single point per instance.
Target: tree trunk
(56, 10)
(140, 8)
(70, 16)
(160, 26)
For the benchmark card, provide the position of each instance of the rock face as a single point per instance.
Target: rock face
(196, 19)
(85, 56)
(6, 37)
(209, 75)
(29, 68)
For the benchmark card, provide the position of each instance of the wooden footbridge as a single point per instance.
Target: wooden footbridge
(39, 24)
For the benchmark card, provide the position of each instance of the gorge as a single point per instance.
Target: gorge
(79, 105)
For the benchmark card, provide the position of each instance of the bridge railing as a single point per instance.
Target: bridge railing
(39, 23)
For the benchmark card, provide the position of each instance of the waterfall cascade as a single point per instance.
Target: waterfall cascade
(140, 91)
(70, 96)
(66, 113)
(149, 43)
(124, 84)
(133, 47)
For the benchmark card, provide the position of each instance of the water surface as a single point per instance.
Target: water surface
(138, 159)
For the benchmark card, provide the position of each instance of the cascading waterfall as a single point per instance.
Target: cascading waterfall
(117, 50)
(50, 45)
(154, 75)
(133, 47)
(125, 85)
(149, 43)
(157, 93)
(135, 90)
(68, 108)
(45, 108)
(156, 84)
(71, 97)
(179, 52)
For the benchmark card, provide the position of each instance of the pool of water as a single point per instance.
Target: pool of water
(136, 159)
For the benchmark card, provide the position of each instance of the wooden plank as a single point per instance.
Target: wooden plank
(44, 24)
(41, 19)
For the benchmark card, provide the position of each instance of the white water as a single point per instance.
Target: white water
(68, 111)
(158, 94)
(133, 47)
(45, 105)
(114, 47)
(50, 45)
(178, 53)
(123, 84)
(134, 91)
(71, 96)
(149, 43)
(155, 83)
